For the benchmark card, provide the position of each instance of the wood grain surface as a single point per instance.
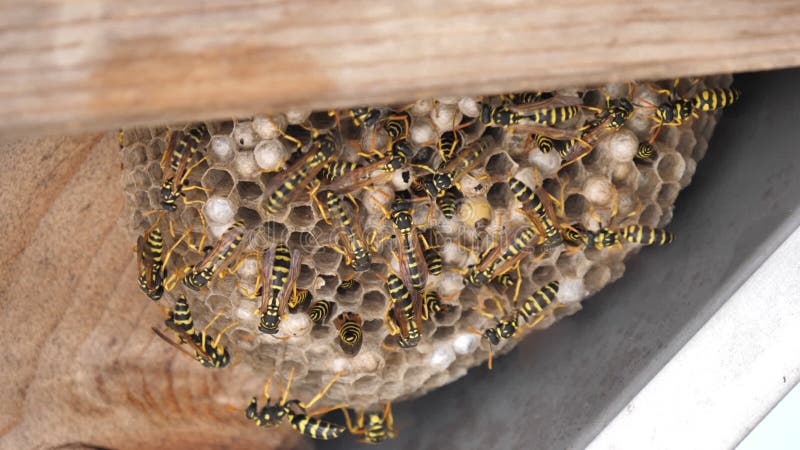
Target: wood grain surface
(81, 364)
(83, 65)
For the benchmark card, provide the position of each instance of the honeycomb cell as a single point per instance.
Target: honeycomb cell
(373, 326)
(671, 167)
(302, 240)
(222, 148)
(218, 181)
(248, 190)
(576, 206)
(219, 210)
(499, 196)
(244, 135)
(668, 193)
(302, 216)
(249, 216)
(327, 259)
(307, 276)
(275, 231)
(328, 287)
(596, 277)
(374, 303)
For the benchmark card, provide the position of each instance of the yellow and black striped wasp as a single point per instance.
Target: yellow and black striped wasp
(404, 316)
(606, 122)
(375, 427)
(501, 258)
(178, 157)
(320, 310)
(355, 249)
(450, 143)
(640, 234)
(432, 304)
(607, 238)
(676, 110)
(284, 189)
(350, 331)
(450, 173)
(503, 329)
(448, 202)
(410, 256)
(280, 269)
(365, 116)
(199, 275)
(532, 311)
(541, 217)
(645, 153)
(152, 261)
(301, 419)
(431, 256)
(537, 116)
(207, 349)
(300, 300)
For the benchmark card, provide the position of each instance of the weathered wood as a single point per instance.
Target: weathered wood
(80, 363)
(97, 64)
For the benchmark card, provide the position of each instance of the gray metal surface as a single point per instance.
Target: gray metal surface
(560, 387)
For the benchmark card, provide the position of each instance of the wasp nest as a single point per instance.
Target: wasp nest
(244, 157)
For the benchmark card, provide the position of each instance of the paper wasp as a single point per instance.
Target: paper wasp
(207, 350)
(452, 171)
(375, 427)
(532, 311)
(296, 411)
(215, 257)
(351, 333)
(676, 110)
(320, 310)
(179, 155)
(152, 261)
(355, 250)
(404, 316)
(280, 269)
(301, 173)
(541, 218)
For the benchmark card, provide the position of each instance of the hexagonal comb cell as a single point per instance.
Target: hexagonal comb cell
(242, 170)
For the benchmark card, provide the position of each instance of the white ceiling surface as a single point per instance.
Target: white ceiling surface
(729, 375)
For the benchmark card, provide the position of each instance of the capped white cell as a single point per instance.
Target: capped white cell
(422, 132)
(442, 357)
(296, 324)
(269, 127)
(445, 116)
(547, 163)
(297, 116)
(271, 155)
(598, 190)
(466, 343)
(367, 362)
(621, 145)
(421, 107)
(219, 210)
(245, 165)
(571, 290)
(222, 148)
(244, 135)
(340, 365)
(469, 107)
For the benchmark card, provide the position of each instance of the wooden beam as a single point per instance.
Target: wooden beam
(81, 365)
(98, 64)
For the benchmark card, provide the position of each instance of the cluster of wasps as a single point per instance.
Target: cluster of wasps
(318, 171)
